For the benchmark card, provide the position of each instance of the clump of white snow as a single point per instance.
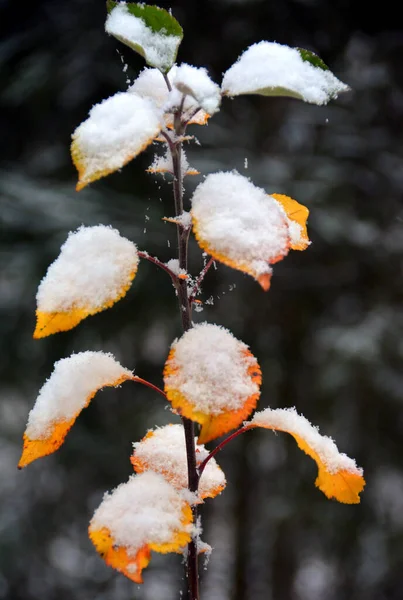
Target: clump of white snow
(288, 420)
(211, 369)
(66, 392)
(273, 69)
(144, 510)
(173, 265)
(163, 164)
(150, 84)
(116, 131)
(158, 48)
(94, 267)
(196, 82)
(164, 451)
(237, 221)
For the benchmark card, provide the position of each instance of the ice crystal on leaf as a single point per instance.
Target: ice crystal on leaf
(142, 515)
(74, 382)
(338, 475)
(116, 131)
(272, 69)
(163, 450)
(94, 269)
(239, 225)
(212, 378)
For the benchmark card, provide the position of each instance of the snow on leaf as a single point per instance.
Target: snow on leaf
(272, 69)
(70, 388)
(297, 215)
(117, 130)
(149, 30)
(94, 269)
(151, 85)
(163, 451)
(212, 378)
(338, 475)
(142, 515)
(239, 225)
(163, 164)
(196, 82)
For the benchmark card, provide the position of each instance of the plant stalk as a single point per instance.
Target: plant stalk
(185, 308)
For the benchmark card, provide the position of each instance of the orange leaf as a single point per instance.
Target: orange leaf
(69, 390)
(298, 214)
(338, 475)
(239, 225)
(164, 451)
(94, 269)
(142, 515)
(223, 413)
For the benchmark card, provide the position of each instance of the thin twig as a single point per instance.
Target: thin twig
(161, 265)
(150, 385)
(199, 280)
(220, 447)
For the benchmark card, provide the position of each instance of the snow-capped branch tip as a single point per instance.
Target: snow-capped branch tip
(143, 515)
(116, 131)
(212, 378)
(94, 269)
(338, 475)
(149, 30)
(163, 450)
(272, 69)
(70, 388)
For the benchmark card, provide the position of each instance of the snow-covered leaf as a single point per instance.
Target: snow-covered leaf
(338, 475)
(149, 30)
(116, 131)
(212, 378)
(94, 269)
(272, 69)
(239, 225)
(74, 382)
(142, 515)
(163, 450)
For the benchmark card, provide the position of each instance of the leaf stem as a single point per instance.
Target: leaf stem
(220, 446)
(149, 384)
(199, 280)
(161, 265)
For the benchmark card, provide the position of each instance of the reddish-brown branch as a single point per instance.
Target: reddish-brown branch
(220, 446)
(159, 264)
(150, 385)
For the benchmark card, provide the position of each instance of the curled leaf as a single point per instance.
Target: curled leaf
(163, 450)
(271, 69)
(94, 269)
(297, 215)
(239, 225)
(142, 515)
(212, 378)
(116, 131)
(70, 388)
(149, 30)
(338, 475)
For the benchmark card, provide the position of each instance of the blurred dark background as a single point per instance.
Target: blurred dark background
(328, 334)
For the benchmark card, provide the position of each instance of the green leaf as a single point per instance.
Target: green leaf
(312, 58)
(156, 35)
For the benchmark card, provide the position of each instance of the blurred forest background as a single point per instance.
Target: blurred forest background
(328, 335)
